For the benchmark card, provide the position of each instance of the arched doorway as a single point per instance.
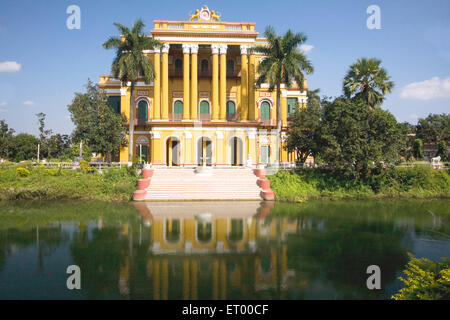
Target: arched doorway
(236, 151)
(204, 150)
(142, 149)
(173, 151)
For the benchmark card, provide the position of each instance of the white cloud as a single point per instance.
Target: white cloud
(433, 88)
(2, 104)
(10, 66)
(28, 103)
(306, 47)
(3, 110)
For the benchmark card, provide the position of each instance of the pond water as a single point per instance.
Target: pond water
(215, 250)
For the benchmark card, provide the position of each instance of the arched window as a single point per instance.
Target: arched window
(173, 230)
(237, 230)
(204, 65)
(204, 231)
(204, 110)
(230, 65)
(178, 108)
(143, 110)
(231, 110)
(265, 110)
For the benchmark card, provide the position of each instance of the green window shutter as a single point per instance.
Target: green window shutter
(204, 107)
(292, 105)
(178, 107)
(143, 110)
(231, 108)
(265, 111)
(114, 103)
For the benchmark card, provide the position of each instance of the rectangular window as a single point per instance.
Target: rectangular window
(292, 106)
(114, 103)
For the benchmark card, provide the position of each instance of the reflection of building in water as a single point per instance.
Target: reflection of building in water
(199, 251)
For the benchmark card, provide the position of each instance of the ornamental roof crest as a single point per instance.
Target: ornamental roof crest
(204, 14)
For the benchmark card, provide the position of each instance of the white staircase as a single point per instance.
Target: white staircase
(185, 184)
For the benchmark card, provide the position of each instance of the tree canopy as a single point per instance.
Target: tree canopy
(96, 123)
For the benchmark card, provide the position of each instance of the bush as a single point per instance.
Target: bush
(85, 167)
(23, 172)
(426, 280)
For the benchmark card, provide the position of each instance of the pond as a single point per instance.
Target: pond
(215, 250)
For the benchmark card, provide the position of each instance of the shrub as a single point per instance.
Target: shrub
(426, 280)
(85, 167)
(23, 172)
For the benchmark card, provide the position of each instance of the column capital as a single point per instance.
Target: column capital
(215, 48)
(223, 48)
(186, 48)
(194, 48)
(157, 49)
(165, 48)
(244, 48)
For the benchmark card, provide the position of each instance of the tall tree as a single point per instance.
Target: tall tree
(6, 136)
(355, 139)
(303, 134)
(283, 62)
(96, 123)
(43, 135)
(368, 81)
(129, 59)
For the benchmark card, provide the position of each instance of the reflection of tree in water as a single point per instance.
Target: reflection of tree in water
(341, 254)
(46, 239)
(100, 259)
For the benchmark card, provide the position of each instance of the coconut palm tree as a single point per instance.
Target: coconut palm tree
(283, 62)
(129, 61)
(368, 81)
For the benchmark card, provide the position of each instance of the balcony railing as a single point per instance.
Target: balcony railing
(204, 116)
(269, 122)
(176, 117)
(140, 122)
(233, 117)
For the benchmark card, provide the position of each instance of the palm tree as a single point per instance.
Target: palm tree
(129, 60)
(368, 81)
(283, 62)
(313, 97)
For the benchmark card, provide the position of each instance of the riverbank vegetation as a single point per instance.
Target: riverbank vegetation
(412, 182)
(23, 181)
(425, 280)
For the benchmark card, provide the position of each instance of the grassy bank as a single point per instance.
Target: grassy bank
(28, 183)
(415, 182)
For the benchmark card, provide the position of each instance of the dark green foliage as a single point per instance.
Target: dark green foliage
(442, 151)
(418, 149)
(96, 124)
(356, 140)
(6, 136)
(303, 134)
(434, 128)
(426, 280)
(23, 147)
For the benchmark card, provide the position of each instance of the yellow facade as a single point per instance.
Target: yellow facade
(204, 91)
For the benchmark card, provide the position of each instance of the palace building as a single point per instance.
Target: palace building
(203, 104)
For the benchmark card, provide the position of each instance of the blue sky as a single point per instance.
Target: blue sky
(42, 62)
